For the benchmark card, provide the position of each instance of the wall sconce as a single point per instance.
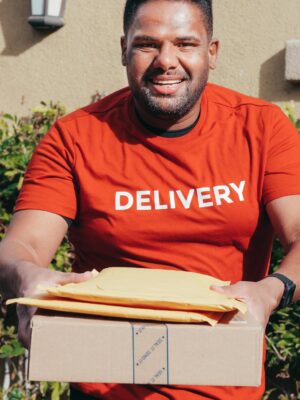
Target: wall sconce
(47, 14)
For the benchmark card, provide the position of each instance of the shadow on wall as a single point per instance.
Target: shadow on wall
(272, 84)
(18, 34)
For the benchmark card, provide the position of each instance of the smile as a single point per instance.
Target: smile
(166, 87)
(170, 82)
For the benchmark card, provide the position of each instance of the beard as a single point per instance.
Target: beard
(172, 106)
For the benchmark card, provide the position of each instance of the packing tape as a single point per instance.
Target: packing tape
(150, 353)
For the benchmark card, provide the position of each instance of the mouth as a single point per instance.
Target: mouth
(166, 82)
(166, 86)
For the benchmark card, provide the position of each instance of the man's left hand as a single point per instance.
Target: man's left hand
(261, 297)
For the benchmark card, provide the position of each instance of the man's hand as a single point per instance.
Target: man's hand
(31, 241)
(261, 297)
(264, 296)
(34, 277)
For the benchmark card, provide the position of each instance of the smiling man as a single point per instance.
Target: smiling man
(169, 173)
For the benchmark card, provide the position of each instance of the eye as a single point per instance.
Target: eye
(186, 45)
(146, 45)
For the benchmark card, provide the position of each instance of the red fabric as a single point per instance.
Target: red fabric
(194, 202)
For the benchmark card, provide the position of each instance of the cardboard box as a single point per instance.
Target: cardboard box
(86, 349)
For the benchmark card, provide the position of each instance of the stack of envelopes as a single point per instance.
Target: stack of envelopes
(140, 293)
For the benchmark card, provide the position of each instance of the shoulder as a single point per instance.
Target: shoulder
(114, 101)
(250, 111)
(232, 99)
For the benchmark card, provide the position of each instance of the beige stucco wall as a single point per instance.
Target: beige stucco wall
(83, 57)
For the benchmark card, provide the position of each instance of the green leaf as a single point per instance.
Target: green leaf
(8, 116)
(6, 351)
(55, 395)
(44, 386)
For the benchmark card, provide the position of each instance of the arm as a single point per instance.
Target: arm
(264, 296)
(27, 249)
(285, 217)
(29, 246)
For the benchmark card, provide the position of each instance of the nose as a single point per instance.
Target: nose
(166, 57)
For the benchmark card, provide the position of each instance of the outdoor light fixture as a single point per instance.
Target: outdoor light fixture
(47, 14)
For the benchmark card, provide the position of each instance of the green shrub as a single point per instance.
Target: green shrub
(283, 333)
(18, 137)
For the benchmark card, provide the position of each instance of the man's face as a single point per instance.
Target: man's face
(168, 53)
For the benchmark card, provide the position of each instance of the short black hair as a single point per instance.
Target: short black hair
(132, 6)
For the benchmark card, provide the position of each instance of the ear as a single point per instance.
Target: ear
(123, 50)
(213, 52)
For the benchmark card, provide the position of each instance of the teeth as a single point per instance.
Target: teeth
(166, 82)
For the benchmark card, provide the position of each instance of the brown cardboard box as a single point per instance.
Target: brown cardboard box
(86, 349)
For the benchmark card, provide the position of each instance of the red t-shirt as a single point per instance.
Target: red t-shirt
(195, 202)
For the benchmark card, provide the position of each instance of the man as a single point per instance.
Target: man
(171, 173)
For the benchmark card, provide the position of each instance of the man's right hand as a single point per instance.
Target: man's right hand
(35, 277)
(31, 241)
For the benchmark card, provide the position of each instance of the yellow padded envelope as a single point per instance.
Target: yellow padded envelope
(151, 288)
(52, 303)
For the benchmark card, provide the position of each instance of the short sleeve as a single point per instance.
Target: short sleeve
(282, 172)
(49, 183)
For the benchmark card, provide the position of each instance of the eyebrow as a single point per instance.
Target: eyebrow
(147, 38)
(188, 39)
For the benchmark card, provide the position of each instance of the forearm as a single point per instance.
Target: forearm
(290, 266)
(17, 260)
(31, 241)
(284, 214)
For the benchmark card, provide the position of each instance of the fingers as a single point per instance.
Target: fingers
(47, 278)
(72, 277)
(24, 316)
(238, 290)
(226, 290)
(219, 289)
